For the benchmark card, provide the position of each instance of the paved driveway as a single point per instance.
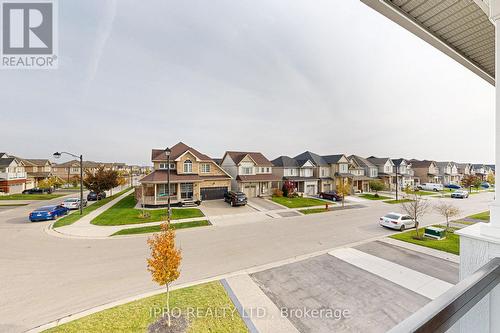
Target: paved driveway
(264, 205)
(369, 303)
(219, 208)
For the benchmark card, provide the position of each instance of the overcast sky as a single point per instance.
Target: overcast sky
(275, 76)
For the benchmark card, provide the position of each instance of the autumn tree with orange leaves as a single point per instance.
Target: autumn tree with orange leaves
(165, 260)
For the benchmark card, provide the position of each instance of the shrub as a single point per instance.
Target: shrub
(277, 192)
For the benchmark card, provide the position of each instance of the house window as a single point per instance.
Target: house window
(268, 170)
(188, 166)
(247, 170)
(75, 169)
(205, 168)
(343, 168)
(163, 189)
(164, 166)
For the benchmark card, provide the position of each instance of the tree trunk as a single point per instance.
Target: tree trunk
(168, 305)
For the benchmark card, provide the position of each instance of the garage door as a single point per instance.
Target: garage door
(250, 191)
(212, 193)
(310, 189)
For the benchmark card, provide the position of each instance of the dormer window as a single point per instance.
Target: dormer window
(188, 166)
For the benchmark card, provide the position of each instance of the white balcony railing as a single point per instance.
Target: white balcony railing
(12, 175)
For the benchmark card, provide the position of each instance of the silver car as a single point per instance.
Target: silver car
(397, 221)
(73, 203)
(460, 194)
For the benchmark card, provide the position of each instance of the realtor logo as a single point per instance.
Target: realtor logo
(29, 34)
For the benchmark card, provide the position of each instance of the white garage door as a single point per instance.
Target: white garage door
(250, 190)
(310, 189)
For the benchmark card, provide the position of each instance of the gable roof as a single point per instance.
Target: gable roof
(316, 159)
(398, 161)
(176, 151)
(332, 159)
(362, 161)
(37, 161)
(258, 158)
(421, 164)
(6, 161)
(443, 164)
(285, 161)
(378, 160)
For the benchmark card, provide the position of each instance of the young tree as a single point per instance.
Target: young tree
(416, 208)
(288, 188)
(165, 260)
(447, 210)
(490, 178)
(376, 185)
(471, 181)
(101, 180)
(344, 188)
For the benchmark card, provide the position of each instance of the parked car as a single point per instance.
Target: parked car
(330, 195)
(92, 196)
(235, 198)
(37, 191)
(73, 203)
(431, 187)
(453, 186)
(485, 185)
(48, 213)
(397, 221)
(460, 194)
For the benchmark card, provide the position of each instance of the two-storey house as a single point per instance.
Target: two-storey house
(448, 173)
(193, 177)
(252, 172)
(12, 174)
(70, 171)
(339, 166)
(480, 171)
(321, 170)
(37, 170)
(427, 171)
(385, 168)
(404, 174)
(301, 174)
(361, 182)
(463, 169)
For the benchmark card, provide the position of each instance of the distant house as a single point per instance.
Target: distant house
(339, 169)
(463, 169)
(252, 172)
(448, 173)
(480, 171)
(300, 174)
(322, 170)
(385, 168)
(37, 170)
(12, 174)
(70, 171)
(404, 173)
(361, 181)
(427, 171)
(193, 177)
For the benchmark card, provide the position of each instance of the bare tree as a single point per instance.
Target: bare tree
(416, 208)
(447, 210)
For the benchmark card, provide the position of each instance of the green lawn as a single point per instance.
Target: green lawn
(397, 201)
(450, 244)
(157, 228)
(75, 216)
(30, 196)
(485, 216)
(298, 202)
(314, 211)
(123, 212)
(136, 316)
(423, 193)
(374, 197)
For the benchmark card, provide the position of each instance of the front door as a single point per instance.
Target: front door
(186, 190)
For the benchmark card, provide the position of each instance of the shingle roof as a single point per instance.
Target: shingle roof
(362, 161)
(332, 159)
(316, 159)
(442, 164)
(378, 160)
(5, 162)
(285, 161)
(37, 161)
(421, 164)
(176, 151)
(238, 156)
(398, 161)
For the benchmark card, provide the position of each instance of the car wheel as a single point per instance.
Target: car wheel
(402, 228)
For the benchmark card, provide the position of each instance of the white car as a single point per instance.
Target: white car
(461, 194)
(397, 221)
(73, 203)
(431, 187)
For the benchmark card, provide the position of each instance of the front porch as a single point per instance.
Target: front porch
(158, 194)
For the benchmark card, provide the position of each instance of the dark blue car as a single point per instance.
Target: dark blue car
(453, 186)
(48, 213)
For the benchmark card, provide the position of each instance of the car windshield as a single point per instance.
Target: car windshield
(392, 216)
(45, 209)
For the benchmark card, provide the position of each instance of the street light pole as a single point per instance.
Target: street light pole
(58, 155)
(397, 184)
(167, 152)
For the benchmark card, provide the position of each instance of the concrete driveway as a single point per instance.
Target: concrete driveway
(220, 208)
(263, 204)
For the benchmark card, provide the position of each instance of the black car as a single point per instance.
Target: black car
(37, 191)
(235, 198)
(92, 196)
(330, 195)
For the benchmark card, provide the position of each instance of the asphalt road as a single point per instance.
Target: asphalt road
(43, 278)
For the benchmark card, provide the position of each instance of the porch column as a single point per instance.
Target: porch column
(155, 193)
(480, 243)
